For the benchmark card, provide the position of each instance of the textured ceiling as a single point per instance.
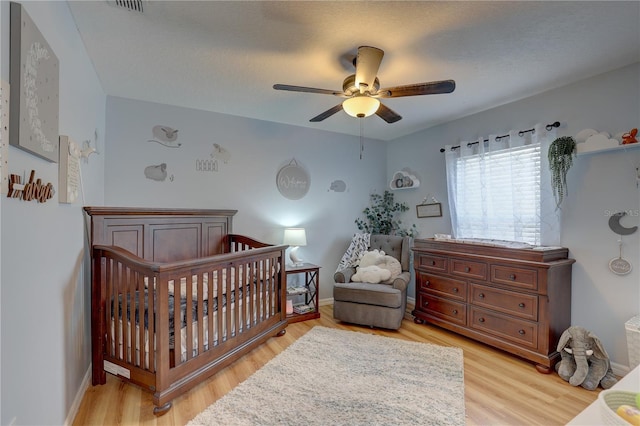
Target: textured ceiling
(225, 56)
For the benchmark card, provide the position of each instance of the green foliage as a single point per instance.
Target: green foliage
(561, 153)
(380, 217)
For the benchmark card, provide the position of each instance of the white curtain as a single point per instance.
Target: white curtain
(501, 189)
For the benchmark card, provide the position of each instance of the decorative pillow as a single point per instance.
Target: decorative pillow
(376, 267)
(373, 257)
(393, 265)
(371, 274)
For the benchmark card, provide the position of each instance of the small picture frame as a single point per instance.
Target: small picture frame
(429, 210)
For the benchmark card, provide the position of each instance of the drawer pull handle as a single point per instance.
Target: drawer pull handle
(455, 312)
(521, 305)
(426, 303)
(427, 283)
(480, 319)
(433, 262)
(521, 332)
(455, 289)
(467, 269)
(512, 277)
(481, 295)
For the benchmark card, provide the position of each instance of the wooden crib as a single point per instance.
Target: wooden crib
(176, 296)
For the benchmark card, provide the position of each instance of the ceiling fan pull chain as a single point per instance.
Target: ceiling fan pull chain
(361, 119)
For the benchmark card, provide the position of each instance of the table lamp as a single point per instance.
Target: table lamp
(295, 237)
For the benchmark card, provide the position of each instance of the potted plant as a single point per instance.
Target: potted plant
(380, 217)
(560, 155)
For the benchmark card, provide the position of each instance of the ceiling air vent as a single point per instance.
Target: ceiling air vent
(131, 5)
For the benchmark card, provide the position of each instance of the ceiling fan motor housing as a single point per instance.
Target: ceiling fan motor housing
(349, 86)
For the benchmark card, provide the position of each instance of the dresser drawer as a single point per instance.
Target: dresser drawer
(516, 277)
(469, 269)
(446, 309)
(433, 263)
(509, 302)
(522, 332)
(441, 286)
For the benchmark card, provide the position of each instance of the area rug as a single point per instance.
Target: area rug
(337, 377)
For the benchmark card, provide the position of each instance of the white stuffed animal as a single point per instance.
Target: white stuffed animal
(376, 267)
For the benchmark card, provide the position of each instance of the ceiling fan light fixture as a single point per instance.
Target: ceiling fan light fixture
(361, 106)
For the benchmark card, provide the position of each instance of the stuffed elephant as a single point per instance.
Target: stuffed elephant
(584, 361)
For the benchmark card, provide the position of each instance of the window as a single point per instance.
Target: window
(496, 190)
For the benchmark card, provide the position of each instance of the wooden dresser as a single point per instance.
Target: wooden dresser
(517, 300)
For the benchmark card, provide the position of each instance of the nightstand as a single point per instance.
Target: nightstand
(307, 290)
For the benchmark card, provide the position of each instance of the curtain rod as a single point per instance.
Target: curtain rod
(520, 133)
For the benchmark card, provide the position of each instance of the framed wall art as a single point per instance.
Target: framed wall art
(34, 79)
(429, 210)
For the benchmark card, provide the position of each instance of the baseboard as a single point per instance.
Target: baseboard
(619, 369)
(323, 302)
(78, 399)
(411, 305)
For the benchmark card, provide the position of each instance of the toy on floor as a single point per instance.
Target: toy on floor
(584, 360)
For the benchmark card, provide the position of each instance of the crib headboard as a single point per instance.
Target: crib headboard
(161, 235)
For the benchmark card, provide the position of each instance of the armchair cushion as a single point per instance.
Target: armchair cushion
(368, 294)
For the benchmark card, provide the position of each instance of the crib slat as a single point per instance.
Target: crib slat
(177, 337)
(212, 314)
(127, 314)
(188, 316)
(249, 320)
(220, 310)
(240, 277)
(228, 329)
(108, 311)
(150, 318)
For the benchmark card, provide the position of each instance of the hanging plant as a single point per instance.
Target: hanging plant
(380, 217)
(561, 153)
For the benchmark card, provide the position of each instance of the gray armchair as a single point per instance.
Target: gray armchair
(375, 305)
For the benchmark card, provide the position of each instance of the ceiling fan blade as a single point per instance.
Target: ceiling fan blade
(432, 88)
(367, 65)
(307, 90)
(387, 114)
(328, 113)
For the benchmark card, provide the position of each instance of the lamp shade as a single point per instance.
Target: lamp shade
(361, 106)
(295, 237)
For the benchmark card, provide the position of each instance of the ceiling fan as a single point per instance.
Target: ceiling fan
(362, 89)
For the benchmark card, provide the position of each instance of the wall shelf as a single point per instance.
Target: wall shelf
(591, 150)
(403, 180)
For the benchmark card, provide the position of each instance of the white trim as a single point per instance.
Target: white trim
(323, 302)
(73, 411)
(620, 370)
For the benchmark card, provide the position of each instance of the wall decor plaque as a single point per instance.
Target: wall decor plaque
(429, 210)
(69, 170)
(34, 76)
(293, 181)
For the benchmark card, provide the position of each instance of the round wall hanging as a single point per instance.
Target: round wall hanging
(293, 181)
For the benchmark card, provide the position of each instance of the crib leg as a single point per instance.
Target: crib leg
(282, 332)
(158, 411)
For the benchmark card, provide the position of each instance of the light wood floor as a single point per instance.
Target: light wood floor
(499, 388)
